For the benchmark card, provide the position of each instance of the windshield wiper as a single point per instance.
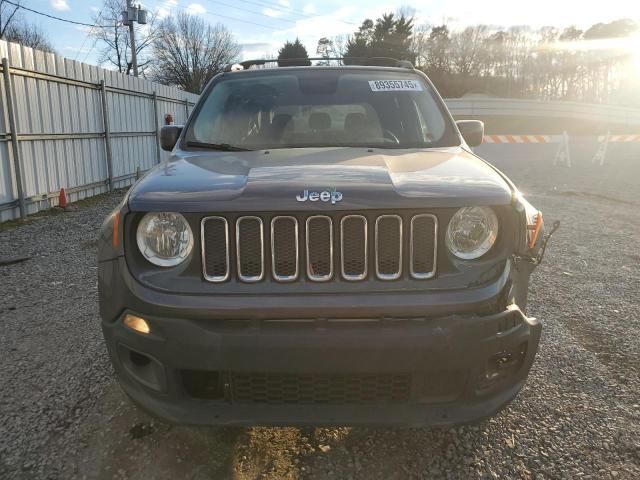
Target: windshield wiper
(225, 147)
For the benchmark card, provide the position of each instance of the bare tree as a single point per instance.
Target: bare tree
(114, 39)
(28, 34)
(14, 28)
(466, 49)
(188, 52)
(8, 14)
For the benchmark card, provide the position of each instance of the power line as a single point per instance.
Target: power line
(213, 15)
(86, 37)
(290, 10)
(252, 11)
(53, 17)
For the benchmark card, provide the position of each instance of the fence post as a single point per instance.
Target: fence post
(186, 110)
(8, 90)
(155, 125)
(107, 134)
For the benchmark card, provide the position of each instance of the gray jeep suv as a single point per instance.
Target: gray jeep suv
(322, 247)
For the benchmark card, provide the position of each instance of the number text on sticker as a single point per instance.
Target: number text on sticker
(395, 85)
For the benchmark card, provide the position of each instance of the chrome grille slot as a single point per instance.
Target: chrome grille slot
(353, 247)
(214, 233)
(389, 247)
(319, 243)
(250, 248)
(284, 248)
(423, 246)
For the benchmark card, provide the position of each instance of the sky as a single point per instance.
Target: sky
(262, 26)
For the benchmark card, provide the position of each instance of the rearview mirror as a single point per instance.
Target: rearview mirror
(169, 135)
(472, 131)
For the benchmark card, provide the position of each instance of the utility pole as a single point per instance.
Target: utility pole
(131, 15)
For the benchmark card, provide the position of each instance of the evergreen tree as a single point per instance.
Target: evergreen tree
(389, 37)
(293, 54)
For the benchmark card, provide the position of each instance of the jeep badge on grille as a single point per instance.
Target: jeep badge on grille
(325, 196)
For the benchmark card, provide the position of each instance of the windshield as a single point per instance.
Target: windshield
(321, 108)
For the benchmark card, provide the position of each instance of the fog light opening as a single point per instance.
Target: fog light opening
(139, 359)
(136, 323)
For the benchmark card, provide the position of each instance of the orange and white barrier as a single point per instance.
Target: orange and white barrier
(619, 138)
(520, 138)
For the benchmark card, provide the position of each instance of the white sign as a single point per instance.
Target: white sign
(395, 86)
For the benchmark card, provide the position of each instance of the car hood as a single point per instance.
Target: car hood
(366, 178)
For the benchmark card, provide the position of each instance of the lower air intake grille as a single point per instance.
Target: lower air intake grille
(320, 388)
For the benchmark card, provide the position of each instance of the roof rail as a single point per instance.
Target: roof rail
(298, 62)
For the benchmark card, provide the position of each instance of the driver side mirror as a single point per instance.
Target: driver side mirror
(169, 135)
(472, 131)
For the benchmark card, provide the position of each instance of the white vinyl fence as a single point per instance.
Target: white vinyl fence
(66, 124)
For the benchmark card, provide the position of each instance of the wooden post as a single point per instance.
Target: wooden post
(8, 90)
(107, 134)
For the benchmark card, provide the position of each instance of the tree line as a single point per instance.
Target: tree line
(546, 63)
(598, 64)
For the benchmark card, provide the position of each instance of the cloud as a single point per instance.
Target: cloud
(284, 3)
(310, 29)
(309, 8)
(60, 5)
(270, 12)
(255, 45)
(196, 9)
(166, 8)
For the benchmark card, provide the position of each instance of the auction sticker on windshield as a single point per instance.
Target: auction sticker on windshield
(395, 86)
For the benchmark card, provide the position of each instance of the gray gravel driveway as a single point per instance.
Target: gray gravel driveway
(63, 416)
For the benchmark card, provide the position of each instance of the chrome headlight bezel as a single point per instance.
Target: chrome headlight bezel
(483, 216)
(181, 228)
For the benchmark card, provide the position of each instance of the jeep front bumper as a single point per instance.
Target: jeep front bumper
(200, 366)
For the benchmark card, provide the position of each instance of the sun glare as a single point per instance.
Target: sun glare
(634, 45)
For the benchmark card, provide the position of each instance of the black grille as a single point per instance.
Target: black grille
(320, 388)
(249, 238)
(354, 247)
(288, 247)
(423, 245)
(284, 247)
(215, 260)
(389, 246)
(319, 248)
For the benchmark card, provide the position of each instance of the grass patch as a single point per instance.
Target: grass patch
(84, 203)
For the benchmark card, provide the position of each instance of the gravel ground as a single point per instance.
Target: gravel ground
(63, 416)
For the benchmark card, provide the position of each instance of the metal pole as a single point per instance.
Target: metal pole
(107, 134)
(132, 40)
(155, 125)
(186, 110)
(8, 90)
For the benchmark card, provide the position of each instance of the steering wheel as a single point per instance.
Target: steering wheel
(389, 135)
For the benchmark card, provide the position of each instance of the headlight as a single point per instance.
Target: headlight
(165, 239)
(472, 232)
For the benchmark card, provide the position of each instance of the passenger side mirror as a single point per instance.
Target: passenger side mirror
(169, 135)
(472, 131)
